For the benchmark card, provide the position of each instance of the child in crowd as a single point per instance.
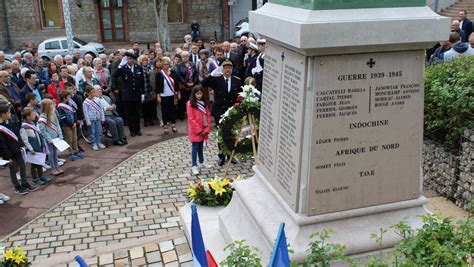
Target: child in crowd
(67, 119)
(94, 116)
(34, 142)
(50, 129)
(76, 102)
(199, 125)
(10, 150)
(56, 112)
(32, 102)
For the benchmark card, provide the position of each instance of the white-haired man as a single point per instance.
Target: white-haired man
(2, 59)
(68, 59)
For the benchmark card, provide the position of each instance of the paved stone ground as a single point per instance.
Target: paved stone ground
(128, 216)
(139, 197)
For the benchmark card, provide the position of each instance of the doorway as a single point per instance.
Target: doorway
(111, 20)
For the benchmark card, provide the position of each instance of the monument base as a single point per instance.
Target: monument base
(256, 211)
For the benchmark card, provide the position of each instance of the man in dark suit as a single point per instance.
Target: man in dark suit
(132, 91)
(226, 88)
(194, 55)
(234, 57)
(465, 23)
(30, 87)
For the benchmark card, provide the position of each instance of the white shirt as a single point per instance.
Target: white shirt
(105, 105)
(167, 91)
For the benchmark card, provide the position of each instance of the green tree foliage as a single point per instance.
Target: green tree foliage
(449, 100)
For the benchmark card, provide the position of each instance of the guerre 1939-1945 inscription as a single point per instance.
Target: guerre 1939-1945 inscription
(367, 129)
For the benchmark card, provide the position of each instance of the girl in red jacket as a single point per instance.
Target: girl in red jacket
(199, 125)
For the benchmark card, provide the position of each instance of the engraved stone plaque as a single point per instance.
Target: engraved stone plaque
(281, 121)
(367, 130)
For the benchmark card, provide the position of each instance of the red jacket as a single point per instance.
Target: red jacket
(52, 90)
(196, 123)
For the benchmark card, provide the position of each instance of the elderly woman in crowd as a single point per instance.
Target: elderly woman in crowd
(58, 60)
(103, 58)
(168, 94)
(188, 77)
(69, 63)
(102, 74)
(153, 73)
(88, 79)
(148, 106)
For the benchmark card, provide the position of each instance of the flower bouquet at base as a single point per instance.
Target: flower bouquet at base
(14, 257)
(212, 193)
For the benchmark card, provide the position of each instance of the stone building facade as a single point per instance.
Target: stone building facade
(93, 20)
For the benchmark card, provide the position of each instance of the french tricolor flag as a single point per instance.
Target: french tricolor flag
(202, 258)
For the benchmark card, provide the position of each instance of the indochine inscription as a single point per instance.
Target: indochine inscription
(367, 130)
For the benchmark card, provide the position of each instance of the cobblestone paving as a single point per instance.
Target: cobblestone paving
(138, 198)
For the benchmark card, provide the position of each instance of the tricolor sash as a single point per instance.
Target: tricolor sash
(214, 64)
(35, 128)
(201, 106)
(168, 80)
(73, 104)
(30, 126)
(93, 104)
(8, 132)
(51, 125)
(66, 107)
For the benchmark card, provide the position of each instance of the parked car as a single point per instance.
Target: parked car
(242, 28)
(9, 57)
(58, 46)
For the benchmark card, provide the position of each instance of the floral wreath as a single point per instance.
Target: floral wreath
(230, 124)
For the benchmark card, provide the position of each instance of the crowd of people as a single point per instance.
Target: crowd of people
(42, 102)
(460, 42)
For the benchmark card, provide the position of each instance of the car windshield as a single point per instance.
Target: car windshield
(79, 41)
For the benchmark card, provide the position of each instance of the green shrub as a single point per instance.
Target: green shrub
(241, 255)
(438, 242)
(321, 253)
(449, 100)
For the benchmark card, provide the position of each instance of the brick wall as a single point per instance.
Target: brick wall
(24, 21)
(3, 34)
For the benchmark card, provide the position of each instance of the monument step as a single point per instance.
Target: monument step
(134, 251)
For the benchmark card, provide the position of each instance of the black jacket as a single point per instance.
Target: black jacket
(223, 99)
(160, 82)
(10, 148)
(182, 70)
(133, 82)
(236, 62)
(467, 28)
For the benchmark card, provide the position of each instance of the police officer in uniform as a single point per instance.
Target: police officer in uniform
(133, 91)
(226, 88)
(257, 71)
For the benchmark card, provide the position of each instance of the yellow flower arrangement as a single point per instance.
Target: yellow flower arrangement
(15, 257)
(213, 192)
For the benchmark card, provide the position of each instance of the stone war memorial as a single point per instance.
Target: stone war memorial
(341, 128)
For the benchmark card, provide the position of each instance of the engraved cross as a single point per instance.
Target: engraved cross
(371, 63)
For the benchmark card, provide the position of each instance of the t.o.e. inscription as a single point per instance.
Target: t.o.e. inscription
(367, 130)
